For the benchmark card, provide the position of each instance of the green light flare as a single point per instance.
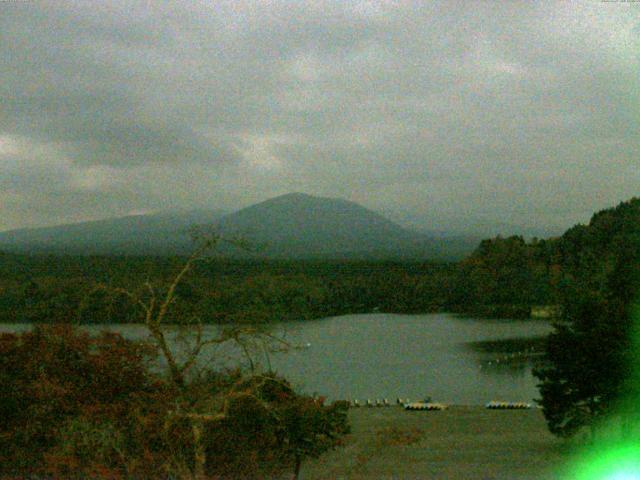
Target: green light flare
(607, 460)
(617, 463)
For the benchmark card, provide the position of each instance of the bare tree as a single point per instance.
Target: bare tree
(155, 303)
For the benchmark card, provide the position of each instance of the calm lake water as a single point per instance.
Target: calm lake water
(379, 356)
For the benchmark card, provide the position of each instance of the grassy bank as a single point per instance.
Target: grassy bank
(461, 442)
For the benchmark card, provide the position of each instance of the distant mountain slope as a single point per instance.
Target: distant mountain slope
(297, 225)
(291, 226)
(135, 234)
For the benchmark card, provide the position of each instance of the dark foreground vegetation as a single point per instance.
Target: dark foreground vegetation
(592, 368)
(591, 371)
(73, 406)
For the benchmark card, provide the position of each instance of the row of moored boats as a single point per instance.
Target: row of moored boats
(427, 404)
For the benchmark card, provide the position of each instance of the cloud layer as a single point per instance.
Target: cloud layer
(438, 114)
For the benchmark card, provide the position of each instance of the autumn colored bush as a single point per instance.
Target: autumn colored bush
(267, 428)
(73, 405)
(77, 406)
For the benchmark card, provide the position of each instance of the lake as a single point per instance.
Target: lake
(376, 356)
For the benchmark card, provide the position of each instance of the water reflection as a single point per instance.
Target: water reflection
(390, 356)
(507, 366)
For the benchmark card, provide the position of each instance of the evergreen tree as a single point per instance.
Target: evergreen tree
(590, 363)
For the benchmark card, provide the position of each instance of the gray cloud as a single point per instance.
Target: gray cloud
(438, 114)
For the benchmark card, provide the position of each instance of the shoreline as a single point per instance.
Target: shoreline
(469, 442)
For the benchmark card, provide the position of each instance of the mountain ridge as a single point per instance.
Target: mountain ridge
(294, 225)
(133, 234)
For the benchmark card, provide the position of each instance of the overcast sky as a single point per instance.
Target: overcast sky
(442, 115)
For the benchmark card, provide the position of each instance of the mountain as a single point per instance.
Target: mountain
(292, 226)
(298, 225)
(134, 234)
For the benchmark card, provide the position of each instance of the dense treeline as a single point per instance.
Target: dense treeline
(591, 368)
(503, 277)
(38, 288)
(589, 357)
(506, 276)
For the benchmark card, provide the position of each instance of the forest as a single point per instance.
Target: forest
(503, 277)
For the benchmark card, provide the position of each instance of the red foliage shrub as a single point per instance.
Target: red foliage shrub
(62, 391)
(76, 406)
(268, 428)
